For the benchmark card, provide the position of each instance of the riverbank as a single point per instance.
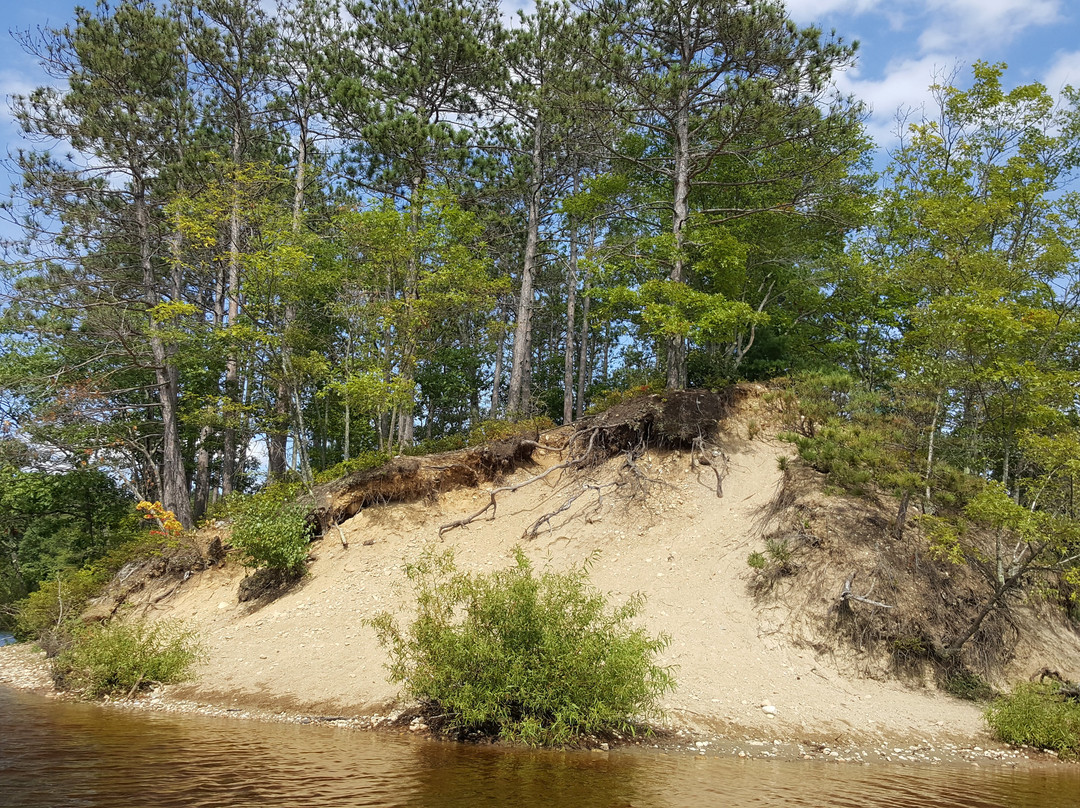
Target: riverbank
(22, 667)
(754, 679)
(760, 672)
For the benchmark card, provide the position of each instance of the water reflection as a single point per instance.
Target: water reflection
(81, 755)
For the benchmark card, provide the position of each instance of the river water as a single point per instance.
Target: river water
(58, 754)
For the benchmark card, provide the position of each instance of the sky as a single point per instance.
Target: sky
(903, 45)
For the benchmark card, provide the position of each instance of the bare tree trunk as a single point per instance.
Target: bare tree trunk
(202, 473)
(496, 383)
(571, 301)
(517, 397)
(583, 357)
(173, 477)
(676, 343)
(232, 364)
(930, 453)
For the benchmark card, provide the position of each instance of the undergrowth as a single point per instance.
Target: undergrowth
(1036, 714)
(533, 658)
(120, 658)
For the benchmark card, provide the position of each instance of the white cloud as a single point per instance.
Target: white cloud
(904, 87)
(961, 22)
(1064, 70)
(812, 10)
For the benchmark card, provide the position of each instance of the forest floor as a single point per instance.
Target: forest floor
(752, 678)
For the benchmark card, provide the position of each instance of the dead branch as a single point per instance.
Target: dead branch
(698, 457)
(847, 595)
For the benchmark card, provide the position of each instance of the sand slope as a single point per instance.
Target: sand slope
(680, 544)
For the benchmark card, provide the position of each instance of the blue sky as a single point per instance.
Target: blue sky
(903, 44)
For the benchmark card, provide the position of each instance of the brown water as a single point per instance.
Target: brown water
(81, 755)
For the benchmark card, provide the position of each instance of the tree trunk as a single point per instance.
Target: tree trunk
(173, 477)
(202, 473)
(496, 383)
(232, 364)
(571, 301)
(517, 398)
(583, 357)
(676, 343)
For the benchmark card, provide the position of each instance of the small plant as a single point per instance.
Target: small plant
(539, 659)
(1036, 714)
(272, 533)
(120, 658)
(967, 685)
(776, 562)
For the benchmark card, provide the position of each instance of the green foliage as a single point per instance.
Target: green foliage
(119, 658)
(495, 430)
(1037, 715)
(776, 561)
(362, 462)
(271, 530)
(57, 602)
(539, 659)
(967, 685)
(54, 521)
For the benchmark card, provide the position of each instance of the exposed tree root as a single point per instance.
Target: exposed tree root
(629, 429)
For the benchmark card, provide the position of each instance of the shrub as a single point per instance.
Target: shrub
(272, 533)
(57, 602)
(967, 685)
(539, 659)
(1036, 714)
(119, 658)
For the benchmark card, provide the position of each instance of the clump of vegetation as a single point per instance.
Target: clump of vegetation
(120, 658)
(45, 614)
(1037, 714)
(968, 685)
(533, 658)
(272, 530)
(777, 560)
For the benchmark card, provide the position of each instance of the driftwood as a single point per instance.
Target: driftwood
(846, 595)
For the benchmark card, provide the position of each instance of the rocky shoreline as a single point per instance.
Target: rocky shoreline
(22, 667)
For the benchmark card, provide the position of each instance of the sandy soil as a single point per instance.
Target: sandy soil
(310, 651)
(681, 545)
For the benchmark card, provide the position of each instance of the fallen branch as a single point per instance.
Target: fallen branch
(847, 595)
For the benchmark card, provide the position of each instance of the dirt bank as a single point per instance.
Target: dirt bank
(747, 672)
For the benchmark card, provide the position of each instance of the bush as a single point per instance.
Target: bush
(57, 602)
(537, 659)
(271, 532)
(118, 658)
(1036, 714)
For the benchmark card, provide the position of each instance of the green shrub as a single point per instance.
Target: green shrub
(56, 602)
(272, 533)
(967, 685)
(1037, 715)
(539, 659)
(362, 462)
(119, 658)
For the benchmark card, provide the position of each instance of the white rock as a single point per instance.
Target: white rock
(768, 709)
